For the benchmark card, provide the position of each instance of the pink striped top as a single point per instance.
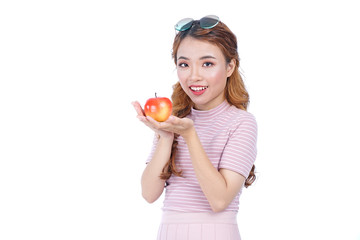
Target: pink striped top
(228, 136)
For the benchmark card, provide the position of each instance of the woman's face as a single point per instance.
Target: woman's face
(202, 71)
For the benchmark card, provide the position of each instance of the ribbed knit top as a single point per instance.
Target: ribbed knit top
(228, 136)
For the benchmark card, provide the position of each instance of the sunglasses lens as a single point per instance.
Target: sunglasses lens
(209, 21)
(184, 24)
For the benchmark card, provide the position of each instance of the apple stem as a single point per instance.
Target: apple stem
(155, 95)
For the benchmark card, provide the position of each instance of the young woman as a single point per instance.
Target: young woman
(204, 153)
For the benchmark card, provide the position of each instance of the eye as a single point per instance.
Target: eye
(208, 64)
(182, 65)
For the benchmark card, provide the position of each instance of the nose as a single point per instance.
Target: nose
(195, 74)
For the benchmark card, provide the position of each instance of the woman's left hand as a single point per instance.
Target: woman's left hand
(181, 126)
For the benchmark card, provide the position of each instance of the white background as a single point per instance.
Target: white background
(72, 151)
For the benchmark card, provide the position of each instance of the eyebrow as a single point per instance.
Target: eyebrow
(202, 58)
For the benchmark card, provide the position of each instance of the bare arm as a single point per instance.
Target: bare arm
(151, 184)
(219, 187)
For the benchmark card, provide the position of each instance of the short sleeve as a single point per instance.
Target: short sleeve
(240, 150)
(153, 148)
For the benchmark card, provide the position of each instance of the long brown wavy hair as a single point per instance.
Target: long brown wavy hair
(235, 91)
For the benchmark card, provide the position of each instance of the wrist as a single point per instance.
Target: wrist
(167, 138)
(189, 134)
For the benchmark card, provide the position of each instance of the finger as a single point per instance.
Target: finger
(147, 122)
(152, 121)
(155, 124)
(142, 118)
(138, 108)
(162, 126)
(173, 120)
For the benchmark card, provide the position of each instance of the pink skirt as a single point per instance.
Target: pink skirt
(198, 226)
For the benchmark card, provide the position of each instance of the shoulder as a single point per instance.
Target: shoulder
(241, 122)
(239, 116)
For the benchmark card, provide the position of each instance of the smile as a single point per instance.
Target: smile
(198, 89)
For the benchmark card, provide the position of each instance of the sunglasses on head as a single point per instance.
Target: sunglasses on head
(206, 22)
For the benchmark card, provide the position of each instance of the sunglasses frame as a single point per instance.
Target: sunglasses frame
(186, 23)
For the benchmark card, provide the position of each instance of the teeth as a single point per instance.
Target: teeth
(197, 88)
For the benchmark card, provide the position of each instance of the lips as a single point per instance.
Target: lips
(198, 90)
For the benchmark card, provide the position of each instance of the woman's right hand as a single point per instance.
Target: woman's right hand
(141, 116)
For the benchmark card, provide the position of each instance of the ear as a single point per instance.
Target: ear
(230, 67)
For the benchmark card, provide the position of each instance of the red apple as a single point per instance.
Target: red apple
(159, 108)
